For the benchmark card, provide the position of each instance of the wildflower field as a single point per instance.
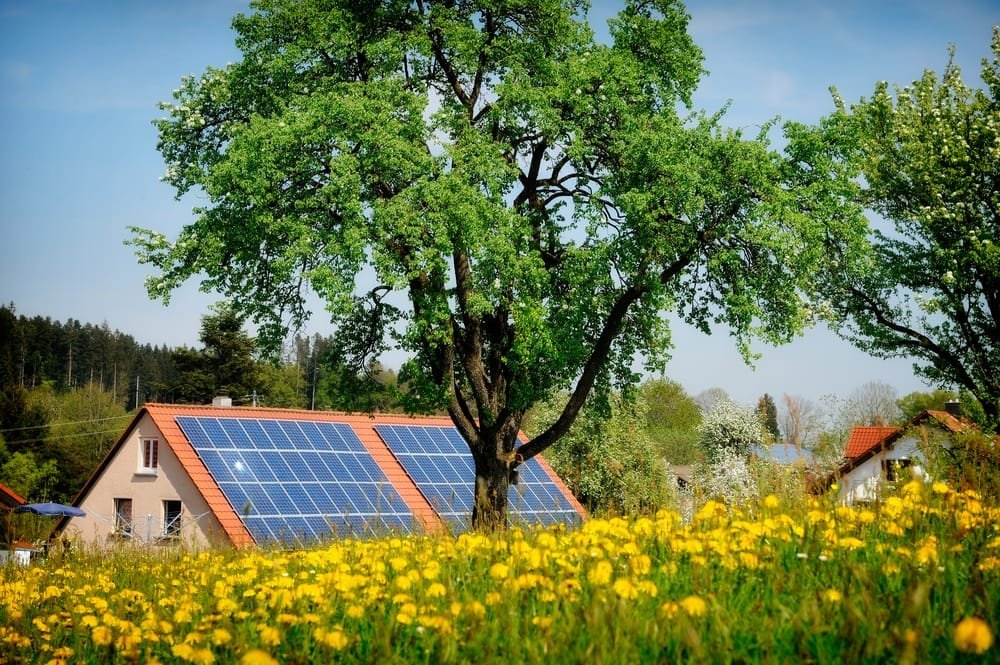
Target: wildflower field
(914, 579)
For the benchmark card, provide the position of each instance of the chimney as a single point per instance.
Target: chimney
(954, 407)
(222, 399)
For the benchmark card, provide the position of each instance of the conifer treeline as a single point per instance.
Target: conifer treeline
(66, 355)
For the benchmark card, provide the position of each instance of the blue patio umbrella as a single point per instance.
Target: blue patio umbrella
(52, 509)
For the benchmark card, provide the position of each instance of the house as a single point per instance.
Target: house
(239, 476)
(879, 455)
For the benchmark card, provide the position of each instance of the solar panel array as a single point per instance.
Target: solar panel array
(297, 481)
(440, 464)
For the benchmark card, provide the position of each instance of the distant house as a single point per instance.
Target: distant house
(241, 476)
(879, 455)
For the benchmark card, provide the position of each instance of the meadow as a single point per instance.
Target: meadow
(913, 579)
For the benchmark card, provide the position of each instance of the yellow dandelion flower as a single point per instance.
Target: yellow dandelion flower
(542, 622)
(335, 639)
(940, 488)
(771, 501)
(600, 574)
(475, 608)
(436, 590)
(989, 563)
(499, 571)
(269, 635)
(355, 611)
(221, 636)
(694, 606)
(669, 610)
(101, 636)
(625, 589)
(973, 635)
(257, 657)
(182, 651)
(832, 596)
(202, 657)
(493, 598)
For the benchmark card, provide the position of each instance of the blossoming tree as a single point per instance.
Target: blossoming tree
(485, 186)
(925, 284)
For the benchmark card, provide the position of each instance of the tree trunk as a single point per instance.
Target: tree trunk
(489, 507)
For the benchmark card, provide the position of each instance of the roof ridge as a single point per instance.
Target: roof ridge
(164, 406)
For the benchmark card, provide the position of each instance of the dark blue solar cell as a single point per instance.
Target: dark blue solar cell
(355, 468)
(194, 431)
(278, 465)
(237, 498)
(275, 434)
(215, 463)
(234, 430)
(217, 436)
(258, 436)
(299, 466)
(257, 526)
(260, 468)
(301, 498)
(259, 500)
(295, 435)
(282, 502)
(312, 433)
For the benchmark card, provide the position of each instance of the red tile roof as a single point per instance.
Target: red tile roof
(164, 416)
(863, 439)
(9, 498)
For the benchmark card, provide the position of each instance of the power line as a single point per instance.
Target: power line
(65, 436)
(75, 422)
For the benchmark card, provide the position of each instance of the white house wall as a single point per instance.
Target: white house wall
(863, 482)
(123, 478)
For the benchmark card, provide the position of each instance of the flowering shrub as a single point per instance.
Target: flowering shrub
(725, 477)
(729, 426)
(915, 579)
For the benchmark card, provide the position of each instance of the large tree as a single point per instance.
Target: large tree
(485, 186)
(924, 281)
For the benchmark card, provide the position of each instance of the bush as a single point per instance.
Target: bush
(608, 459)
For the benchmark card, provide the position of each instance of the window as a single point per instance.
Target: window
(123, 518)
(894, 467)
(150, 455)
(171, 519)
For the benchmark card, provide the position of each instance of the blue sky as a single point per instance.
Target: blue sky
(79, 84)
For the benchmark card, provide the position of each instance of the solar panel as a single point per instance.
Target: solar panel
(294, 481)
(440, 464)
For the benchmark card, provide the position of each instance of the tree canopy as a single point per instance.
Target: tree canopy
(485, 186)
(924, 281)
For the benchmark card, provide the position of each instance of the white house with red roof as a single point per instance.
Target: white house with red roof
(880, 455)
(209, 475)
